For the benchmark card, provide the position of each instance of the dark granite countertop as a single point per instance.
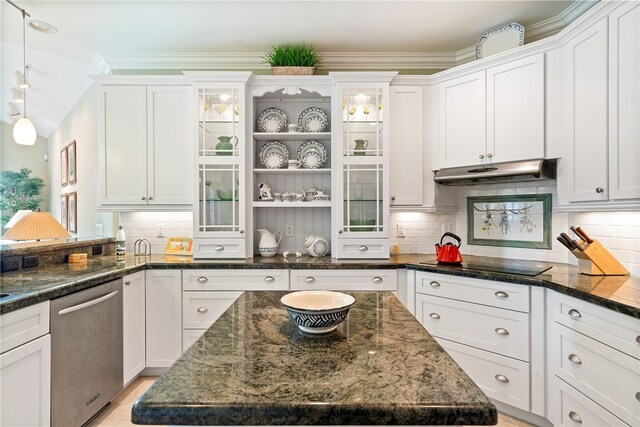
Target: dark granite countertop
(31, 286)
(255, 367)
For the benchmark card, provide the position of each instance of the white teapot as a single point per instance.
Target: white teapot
(268, 244)
(316, 245)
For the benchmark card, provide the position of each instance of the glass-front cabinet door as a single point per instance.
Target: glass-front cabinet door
(219, 209)
(362, 213)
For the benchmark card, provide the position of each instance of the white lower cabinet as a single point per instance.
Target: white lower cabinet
(163, 317)
(201, 309)
(25, 367)
(344, 280)
(578, 410)
(133, 322)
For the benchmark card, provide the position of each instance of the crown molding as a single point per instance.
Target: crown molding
(552, 26)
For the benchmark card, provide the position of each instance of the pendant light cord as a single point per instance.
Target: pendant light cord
(24, 50)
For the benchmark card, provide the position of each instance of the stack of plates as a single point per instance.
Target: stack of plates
(274, 155)
(312, 155)
(313, 119)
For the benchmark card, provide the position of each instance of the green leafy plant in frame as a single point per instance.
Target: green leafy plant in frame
(18, 190)
(293, 55)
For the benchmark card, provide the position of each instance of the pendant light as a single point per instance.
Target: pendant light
(24, 133)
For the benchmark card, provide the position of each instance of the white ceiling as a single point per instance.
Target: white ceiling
(170, 34)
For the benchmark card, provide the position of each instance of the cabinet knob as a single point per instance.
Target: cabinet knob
(481, 156)
(502, 331)
(202, 279)
(502, 378)
(127, 283)
(143, 198)
(575, 417)
(241, 231)
(575, 313)
(501, 294)
(310, 280)
(638, 396)
(434, 315)
(599, 190)
(202, 309)
(638, 339)
(269, 279)
(219, 248)
(377, 279)
(393, 198)
(150, 197)
(489, 155)
(339, 231)
(363, 248)
(434, 284)
(575, 359)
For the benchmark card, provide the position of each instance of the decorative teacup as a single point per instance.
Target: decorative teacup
(277, 197)
(294, 164)
(294, 128)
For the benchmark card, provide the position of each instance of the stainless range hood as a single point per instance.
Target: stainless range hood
(498, 173)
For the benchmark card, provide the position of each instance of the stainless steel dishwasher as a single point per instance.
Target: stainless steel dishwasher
(86, 353)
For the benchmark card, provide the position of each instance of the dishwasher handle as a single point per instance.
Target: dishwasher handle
(88, 303)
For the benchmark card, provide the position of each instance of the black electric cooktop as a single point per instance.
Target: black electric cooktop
(521, 270)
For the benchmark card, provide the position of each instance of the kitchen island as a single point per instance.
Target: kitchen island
(255, 367)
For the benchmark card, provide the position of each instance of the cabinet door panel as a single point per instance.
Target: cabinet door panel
(407, 145)
(624, 102)
(515, 110)
(123, 145)
(164, 317)
(133, 322)
(586, 100)
(463, 120)
(169, 145)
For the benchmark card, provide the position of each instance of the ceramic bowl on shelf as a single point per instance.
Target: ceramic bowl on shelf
(317, 312)
(225, 194)
(360, 224)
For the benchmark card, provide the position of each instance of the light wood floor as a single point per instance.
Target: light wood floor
(118, 412)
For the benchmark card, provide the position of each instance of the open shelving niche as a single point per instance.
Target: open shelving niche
(306, 217)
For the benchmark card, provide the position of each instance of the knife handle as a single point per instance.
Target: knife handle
(584, 235)
(564, 242)
(572, 242)
(575, 231)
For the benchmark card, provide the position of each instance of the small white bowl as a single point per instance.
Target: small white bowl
(317, 312)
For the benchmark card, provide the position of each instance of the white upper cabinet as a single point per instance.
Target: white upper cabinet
(586, 65)
(144, 140)
(624, 102)
(463, 120)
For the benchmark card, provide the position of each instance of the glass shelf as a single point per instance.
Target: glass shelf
(292, 136)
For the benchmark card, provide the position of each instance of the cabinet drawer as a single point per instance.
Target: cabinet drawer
(24, 325)
(363, 248)
(577, 410)
(189, 336)
(499, 377)
(235, 280)
(219, 248)
(500, 331)
(607, 326)
(487, 292)
(201, 309)
(604, 374)
(344, 280)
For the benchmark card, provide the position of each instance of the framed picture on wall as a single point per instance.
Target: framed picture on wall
(64, 166)
(73, 212)
(73, 174)
(64, 211)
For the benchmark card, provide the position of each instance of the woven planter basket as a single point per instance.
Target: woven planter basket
(293, 71)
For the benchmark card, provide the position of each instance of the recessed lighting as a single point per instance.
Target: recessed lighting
(42, 26)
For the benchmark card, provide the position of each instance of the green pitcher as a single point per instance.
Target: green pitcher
(225, 146)
(361, 146)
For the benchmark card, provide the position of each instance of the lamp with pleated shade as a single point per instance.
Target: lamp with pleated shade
(17, 217)
(37, 226)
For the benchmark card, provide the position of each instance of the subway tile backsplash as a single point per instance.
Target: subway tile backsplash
(156, 227)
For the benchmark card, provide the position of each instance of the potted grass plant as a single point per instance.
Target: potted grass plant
(293, 59)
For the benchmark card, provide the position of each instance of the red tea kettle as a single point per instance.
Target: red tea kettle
(449, 253)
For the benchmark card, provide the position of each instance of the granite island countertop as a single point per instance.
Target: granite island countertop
(34, 285)
(255, 367)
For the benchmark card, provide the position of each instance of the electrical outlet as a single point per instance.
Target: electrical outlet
(446, 228)
(288, 230)
(402, 230)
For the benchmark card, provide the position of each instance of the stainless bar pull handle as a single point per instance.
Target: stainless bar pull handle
(434, 284)
(377, 279)
(575, 313)
(501, 294)
(269, 279)
(310, 280)
(127, 283)
(88, 303)
(202, 309)
(575, 359)
(202, 279)
(502, 331)
(502, 378)
(434, 315)
(219, 248)
(363, 248)
(575, 417)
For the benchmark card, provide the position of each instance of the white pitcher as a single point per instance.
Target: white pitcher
(268, 244)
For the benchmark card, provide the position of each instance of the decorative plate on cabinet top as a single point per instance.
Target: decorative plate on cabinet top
(500, 39)
(274, 155)
(272, 120)
(313, 119)
(312, 155)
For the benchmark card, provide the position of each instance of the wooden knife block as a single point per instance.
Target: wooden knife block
(596, 260)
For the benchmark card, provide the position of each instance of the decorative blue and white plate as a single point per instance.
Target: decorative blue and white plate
(272, 120)
(312, 154)
(313, 119)
(273, 155)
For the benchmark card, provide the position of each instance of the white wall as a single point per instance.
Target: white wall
(81, 125)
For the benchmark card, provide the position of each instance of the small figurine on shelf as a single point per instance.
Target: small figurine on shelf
(285, 255)
(265, 192)
(298, 254)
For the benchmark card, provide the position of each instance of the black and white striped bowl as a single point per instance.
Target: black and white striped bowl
(317, 312)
